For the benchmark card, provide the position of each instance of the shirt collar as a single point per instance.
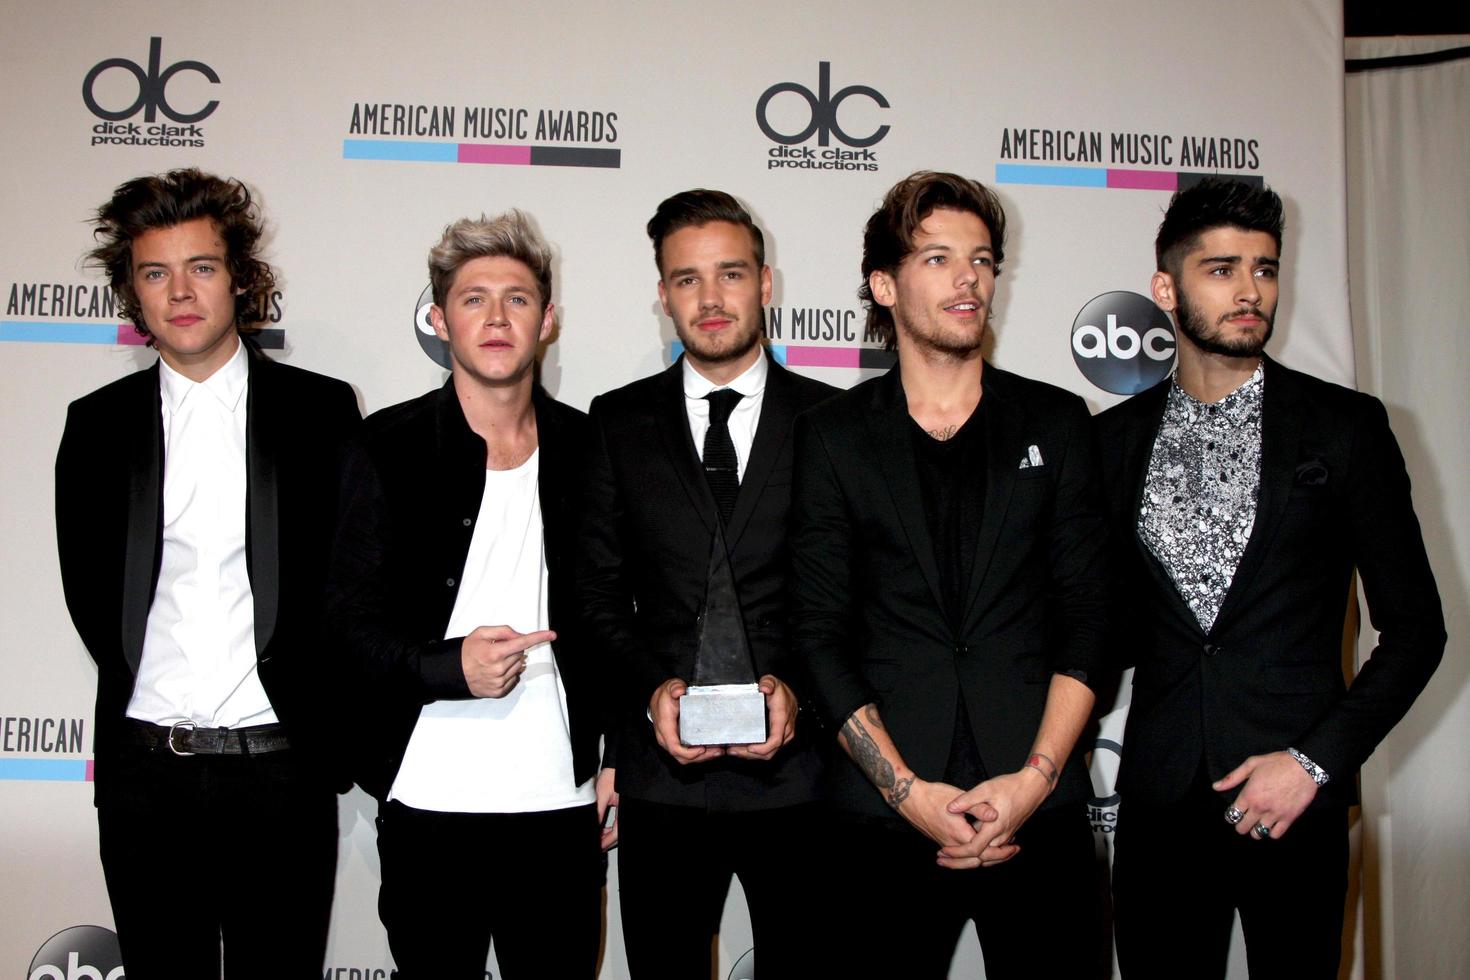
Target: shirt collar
(1238, 406)
(752, 381)
(227, 384)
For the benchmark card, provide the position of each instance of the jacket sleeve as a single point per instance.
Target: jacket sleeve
(361, 598)
(822, 577)
(1077, 554)
(1403, 600)
(88, 533)
(603, 584)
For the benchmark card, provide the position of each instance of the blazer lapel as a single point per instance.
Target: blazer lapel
(1004, 449)
(771, 434)
(889, 425)
(672, 421)
(1281, 432)
(262, 502)
(144, 528)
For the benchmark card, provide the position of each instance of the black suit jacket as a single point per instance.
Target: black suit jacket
(644, 565)
(109, 532)
(411, 492)
(869, 613)
(1334, 494)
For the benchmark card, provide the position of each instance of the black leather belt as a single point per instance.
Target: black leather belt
(184, 738)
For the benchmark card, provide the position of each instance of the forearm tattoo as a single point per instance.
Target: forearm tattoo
(864, 752)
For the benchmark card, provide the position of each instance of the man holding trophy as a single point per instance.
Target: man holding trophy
(683, 580)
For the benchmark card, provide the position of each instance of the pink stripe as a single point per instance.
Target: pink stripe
(127, 335)
(1143, 180)
(822, 356)
(488, 153)
(90, 763)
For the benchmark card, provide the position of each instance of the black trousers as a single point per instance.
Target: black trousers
(452, 882)
(674, 868)
(207, 856)
(1040, 914)
(1180, 872)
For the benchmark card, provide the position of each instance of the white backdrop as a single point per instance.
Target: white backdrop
(659, 98)
(1408, 140)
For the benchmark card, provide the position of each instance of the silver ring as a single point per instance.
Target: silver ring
(1262, 831)
(1233, 815)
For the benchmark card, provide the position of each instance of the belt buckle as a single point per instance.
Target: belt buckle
(188, 726)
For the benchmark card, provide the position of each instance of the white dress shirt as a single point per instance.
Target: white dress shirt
(743, 420)
(199, 645)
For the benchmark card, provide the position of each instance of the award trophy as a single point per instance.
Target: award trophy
(724, 705)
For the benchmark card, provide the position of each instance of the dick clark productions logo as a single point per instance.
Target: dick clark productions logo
(152, 96)
(821, 120)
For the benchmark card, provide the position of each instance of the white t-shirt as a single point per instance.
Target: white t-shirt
(510, 754)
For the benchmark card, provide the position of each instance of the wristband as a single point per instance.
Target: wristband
(1318, 774)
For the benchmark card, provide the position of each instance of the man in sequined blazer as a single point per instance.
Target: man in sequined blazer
(1242, 495)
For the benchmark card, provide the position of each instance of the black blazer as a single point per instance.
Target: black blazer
(869, 612)
(410, 495)
(1334, 494)
(109, 532)
(644, 564)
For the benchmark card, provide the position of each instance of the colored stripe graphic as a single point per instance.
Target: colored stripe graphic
(425, 151)
(111, 334)
(841, 357)
(1108, 177)
(47, 770)
(794, 355)
(1026, 173)
(56, 332)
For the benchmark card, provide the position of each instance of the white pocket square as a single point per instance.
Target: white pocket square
(1032, 458)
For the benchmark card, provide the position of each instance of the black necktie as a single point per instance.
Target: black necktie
(721, 468)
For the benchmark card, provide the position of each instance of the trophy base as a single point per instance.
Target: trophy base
(722, 714)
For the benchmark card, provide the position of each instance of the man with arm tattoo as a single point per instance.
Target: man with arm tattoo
(948, 599)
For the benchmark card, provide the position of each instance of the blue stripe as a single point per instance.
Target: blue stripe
(50, 332)
(53, 770)
(400, 150)
(1025, 173)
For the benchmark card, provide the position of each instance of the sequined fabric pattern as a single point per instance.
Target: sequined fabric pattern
(1199, 498)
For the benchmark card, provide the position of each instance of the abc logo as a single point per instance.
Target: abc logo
(823, 106)
(152, 87)
(78, 953)
(423, 330)
(1123, 343)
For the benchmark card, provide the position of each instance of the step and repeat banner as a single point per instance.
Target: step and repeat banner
(365, 128)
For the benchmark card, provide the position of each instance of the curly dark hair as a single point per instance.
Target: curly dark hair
(889, 235)
(166, 200)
